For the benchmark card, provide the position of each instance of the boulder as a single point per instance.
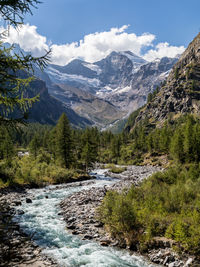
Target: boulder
(28, 200)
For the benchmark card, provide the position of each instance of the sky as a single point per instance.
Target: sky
(91, 29)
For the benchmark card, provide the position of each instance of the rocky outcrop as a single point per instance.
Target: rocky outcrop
(181, 93)
(48, 109)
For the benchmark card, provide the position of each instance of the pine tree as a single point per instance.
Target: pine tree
(63, 141)
(90, 148)
(189, 139)
(34, 146)
(176, 146)
(6, 144)
(115, 148)
(12, 87)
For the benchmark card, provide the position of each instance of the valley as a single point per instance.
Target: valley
(99, 134)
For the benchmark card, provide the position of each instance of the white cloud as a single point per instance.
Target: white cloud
(93, 47)
(28, 39)
(163, 50)
(98, 45)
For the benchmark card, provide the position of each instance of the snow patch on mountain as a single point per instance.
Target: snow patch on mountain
(134, 58)
(93, 67)
(60, 77)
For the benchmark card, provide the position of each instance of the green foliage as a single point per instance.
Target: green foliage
(13, 11)
(151, 96)
(63, 141)
(167, 204)
(34, 146)
(131, 120)
(89, 147)
(116, 169)
(115, 148)
(13, 68)
(40, 171)
(176, 73)
(6, 144)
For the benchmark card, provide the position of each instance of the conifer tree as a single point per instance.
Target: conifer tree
(90, 148)
(115, 147)
(63, 141)
(188, 139)
(12, 87)
(6, 145)
(176, 146)
(34, 146)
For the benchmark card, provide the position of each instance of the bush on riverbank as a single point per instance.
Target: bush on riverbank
(167, 204)
(40, 171)
(115, 169)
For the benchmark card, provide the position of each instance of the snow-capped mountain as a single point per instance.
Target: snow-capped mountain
(122, 78)
(106, 91)
(143, 82)
(112, 72)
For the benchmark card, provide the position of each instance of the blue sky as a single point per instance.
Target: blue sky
(175, 21)
(149, 28)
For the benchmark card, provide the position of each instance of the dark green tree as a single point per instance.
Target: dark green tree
(176, 73)
(6, 144)
(63, 141)
(176, 146)
(90, 147)
(34, 146)
(89, 152)
(115, 148)
(189, 139)
(12, 87)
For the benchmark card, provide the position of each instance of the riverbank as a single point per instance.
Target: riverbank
(79, 209)
(79, 212)
(16, 248)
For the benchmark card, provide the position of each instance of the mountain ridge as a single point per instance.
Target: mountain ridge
(181, 93)
(118, 84)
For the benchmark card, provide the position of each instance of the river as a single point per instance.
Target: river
(42, 221)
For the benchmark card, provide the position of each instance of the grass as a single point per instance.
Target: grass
(115, 169)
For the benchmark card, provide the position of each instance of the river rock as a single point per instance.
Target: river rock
(28, 200)
(79, 212)
(16, 248)
(17, 203)
(189, 262)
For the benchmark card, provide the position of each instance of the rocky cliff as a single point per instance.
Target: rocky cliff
(181, 93)
(48, 109)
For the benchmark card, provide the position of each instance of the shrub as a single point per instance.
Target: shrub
(167, 204)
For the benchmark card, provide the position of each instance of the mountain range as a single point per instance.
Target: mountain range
(106, 91)
(102, 93)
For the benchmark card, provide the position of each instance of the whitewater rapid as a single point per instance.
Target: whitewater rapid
(41, 221)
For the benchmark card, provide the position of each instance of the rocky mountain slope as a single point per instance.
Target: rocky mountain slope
(97, 111)
(48, 109)
(100, 93)
(181, 93)
(119, 84)
(143, 81)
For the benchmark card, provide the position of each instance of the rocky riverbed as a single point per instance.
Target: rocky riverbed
(79, 212)
(16, 248)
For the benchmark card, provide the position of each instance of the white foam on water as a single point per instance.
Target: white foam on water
(41, 220)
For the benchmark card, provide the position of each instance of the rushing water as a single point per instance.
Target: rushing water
(41, 221)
